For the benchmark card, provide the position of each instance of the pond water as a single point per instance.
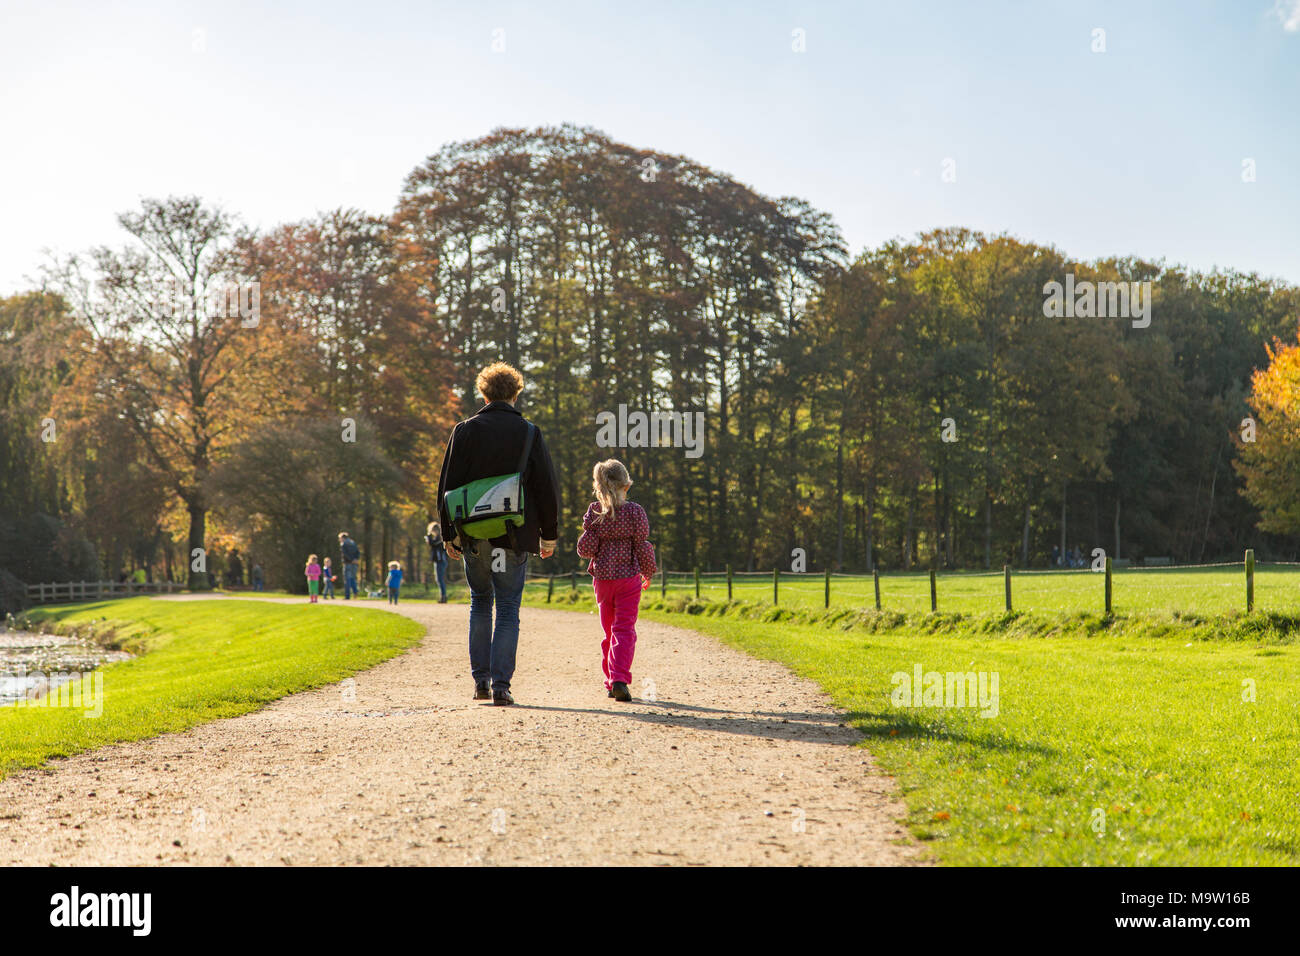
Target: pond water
(31, 664)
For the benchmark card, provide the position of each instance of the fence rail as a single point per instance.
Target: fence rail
(1217, 587)
(70, 591)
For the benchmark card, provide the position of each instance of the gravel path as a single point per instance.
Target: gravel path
(734, 761)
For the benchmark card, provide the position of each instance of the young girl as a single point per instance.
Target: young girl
(313, 577)
(327, 580)
(394, 581)
(614, 533)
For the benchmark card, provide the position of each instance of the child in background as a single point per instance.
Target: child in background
(313, 577)
(327, 580)
(394, 581)
(614, 537)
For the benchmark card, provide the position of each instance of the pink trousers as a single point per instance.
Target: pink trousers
(620, 602)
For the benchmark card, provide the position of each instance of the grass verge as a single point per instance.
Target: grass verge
(199, 661)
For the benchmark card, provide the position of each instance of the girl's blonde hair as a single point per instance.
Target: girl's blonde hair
(394, 564)
(311, 559)
(610, 482)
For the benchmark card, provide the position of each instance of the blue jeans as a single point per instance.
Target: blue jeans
(441, 565)
(327, 584)
(349, 581)
(492, 649)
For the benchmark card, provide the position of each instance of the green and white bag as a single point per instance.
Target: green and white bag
(491, 507)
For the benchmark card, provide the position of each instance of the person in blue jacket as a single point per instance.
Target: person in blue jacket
(394, 581)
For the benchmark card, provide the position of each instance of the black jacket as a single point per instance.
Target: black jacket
(490, 444)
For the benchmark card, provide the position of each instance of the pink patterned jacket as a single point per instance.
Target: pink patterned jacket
(617, 546)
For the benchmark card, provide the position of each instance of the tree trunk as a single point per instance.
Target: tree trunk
(839, 499)
(198, 580)
(1024, 539)
(1064, 498)
(1209, 509)
(988, 530)
(1117, 551)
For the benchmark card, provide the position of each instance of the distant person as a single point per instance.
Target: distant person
(615, 535)
(326, 579)
(1056, 555)
(257, 577)
(498, 441)
(313, 578)
(235, 569)
(351, 555)
(394, 581)
(438, 555)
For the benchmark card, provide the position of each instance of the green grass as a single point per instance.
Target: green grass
(1140, 717)
(201, 661)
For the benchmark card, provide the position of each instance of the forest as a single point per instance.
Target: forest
(206, 388)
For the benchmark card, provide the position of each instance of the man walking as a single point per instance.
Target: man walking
(484, 446)
(351, 555)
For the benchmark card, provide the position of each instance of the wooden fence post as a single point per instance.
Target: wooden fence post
(663, 583)
(550, 588)
(875, 578)
(1006, 577)
(728, 582)
(1250, 580)
(1109, 604)
(697, 582)
(776, 585)
(573, 580)
(828, 588)
(934, 592)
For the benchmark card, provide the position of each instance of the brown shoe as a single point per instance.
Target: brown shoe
(619, 691)
(502, 698)
(482, 691)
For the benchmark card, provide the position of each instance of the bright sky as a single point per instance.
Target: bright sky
(278, 110)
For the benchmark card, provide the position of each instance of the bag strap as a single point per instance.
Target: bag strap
(523, 467)
(528, 450)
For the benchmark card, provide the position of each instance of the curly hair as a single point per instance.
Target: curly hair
(499, 382)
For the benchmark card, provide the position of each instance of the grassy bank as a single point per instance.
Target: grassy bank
(1123, 741)
(199, 661)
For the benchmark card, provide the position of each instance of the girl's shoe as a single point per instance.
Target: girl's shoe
(619, 691)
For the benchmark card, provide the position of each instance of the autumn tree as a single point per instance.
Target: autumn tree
(170, 341)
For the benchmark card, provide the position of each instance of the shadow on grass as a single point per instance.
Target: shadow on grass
(892, 725)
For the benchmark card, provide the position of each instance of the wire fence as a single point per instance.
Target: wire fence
(1216, 588)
